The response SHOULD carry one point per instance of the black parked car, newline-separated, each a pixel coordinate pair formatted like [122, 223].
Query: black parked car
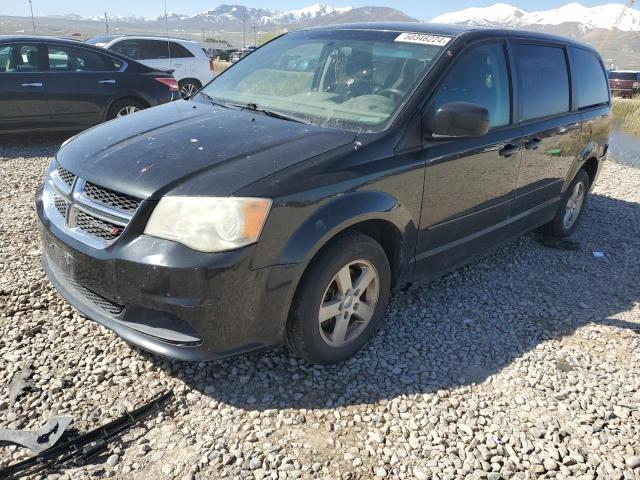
[52, 83]
[286, 200]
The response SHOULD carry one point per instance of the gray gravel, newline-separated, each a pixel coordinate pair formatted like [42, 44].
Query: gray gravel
[525, 364]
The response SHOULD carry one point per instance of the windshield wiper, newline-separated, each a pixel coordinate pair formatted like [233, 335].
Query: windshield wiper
[86, 446]
[212, 100]
[270, 113]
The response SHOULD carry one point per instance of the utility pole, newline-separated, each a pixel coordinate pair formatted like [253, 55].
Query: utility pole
[203, 34]
[244, 29]
[33, 22]
[106, 22]
[255, 35]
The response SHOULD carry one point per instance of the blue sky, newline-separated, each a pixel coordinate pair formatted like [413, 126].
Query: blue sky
[149, 8]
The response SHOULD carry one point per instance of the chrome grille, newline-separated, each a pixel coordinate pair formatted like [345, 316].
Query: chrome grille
[92, 214]
[65, 175]
[97, 227]
[61, 205]
[110, 198]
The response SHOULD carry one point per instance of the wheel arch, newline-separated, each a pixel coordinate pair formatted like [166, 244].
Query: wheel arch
[124, 97]
[376, 214]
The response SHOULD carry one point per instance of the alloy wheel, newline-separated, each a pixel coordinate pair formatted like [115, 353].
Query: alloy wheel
[349, 303]
[128, 110]
[188, 89]
[574, 205]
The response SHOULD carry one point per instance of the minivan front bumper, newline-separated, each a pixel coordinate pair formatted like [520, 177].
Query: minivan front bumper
[168, 299]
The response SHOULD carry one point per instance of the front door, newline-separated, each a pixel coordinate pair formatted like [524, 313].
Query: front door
[469, 182]
[23, 102]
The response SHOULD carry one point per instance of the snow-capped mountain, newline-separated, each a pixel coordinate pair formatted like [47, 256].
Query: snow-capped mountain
[311, 12]
[500, 14]
[588, 18]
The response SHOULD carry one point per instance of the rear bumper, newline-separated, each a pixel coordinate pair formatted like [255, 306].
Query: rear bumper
[168, 299]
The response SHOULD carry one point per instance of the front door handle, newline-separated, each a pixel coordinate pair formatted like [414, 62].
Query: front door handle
[110, 80]
[533, 144]
[32, 84]
[508, 150]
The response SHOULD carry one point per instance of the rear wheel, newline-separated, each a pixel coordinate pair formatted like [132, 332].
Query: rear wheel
[571, 208]
[341, 301]
[125, 107]
[188, 87]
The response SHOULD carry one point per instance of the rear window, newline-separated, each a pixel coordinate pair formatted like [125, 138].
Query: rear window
[623, 75]
[543, 81]
[591, 81]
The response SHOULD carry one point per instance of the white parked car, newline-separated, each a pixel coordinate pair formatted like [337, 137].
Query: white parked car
[191, 66]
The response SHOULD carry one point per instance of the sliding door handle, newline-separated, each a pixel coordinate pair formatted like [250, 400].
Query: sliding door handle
[32, 84]
[109, 80]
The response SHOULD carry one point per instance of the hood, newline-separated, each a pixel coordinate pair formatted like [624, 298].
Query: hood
[167, 149]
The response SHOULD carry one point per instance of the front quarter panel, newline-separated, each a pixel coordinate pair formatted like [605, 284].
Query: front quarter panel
[319, 198]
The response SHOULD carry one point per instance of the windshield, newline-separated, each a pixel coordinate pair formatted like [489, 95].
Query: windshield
[623, 75]
[349, 79]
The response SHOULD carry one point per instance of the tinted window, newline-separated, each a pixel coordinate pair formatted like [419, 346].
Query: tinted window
[543, 80]
[128, 48]
[142, 49]
[69, 59]
[154, 49]
[590, 78]
[178, 51]
[481, 77]
[19, 58]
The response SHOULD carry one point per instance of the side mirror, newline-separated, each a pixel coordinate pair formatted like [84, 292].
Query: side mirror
[457, 120]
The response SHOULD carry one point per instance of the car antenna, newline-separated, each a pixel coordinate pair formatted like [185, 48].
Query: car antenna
[166, 25]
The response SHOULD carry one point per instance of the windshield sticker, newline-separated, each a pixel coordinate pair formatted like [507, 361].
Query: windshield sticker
[423, 39]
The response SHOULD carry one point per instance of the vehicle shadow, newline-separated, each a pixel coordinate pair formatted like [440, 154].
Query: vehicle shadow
[458, 330]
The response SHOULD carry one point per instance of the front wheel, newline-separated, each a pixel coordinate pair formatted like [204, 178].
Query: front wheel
[571, 208]
[341, 301]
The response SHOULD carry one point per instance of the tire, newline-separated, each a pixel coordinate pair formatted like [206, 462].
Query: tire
[323, 342]
[130, 105]
[188, 87]
[564, 224]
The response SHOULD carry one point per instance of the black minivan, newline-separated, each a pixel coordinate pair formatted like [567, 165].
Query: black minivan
[284, 201]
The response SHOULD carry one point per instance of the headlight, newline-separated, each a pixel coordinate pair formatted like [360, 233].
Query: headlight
[209, 224]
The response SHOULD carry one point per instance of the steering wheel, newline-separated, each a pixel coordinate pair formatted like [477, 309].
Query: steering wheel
[389, 92]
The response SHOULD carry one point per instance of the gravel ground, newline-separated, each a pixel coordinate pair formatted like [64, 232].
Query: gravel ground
[525, 364]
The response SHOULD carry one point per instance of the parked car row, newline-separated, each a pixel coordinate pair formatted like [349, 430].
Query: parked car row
[190, 65]
[52, 83]
[228, 54]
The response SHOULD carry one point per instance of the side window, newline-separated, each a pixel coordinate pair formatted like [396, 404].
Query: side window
[5, 57]
[128, 48]
[69, 59]
[19, 58]
[178, 51]
[480, 77]
[154, 49]
[543, 81]
[591, 80]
